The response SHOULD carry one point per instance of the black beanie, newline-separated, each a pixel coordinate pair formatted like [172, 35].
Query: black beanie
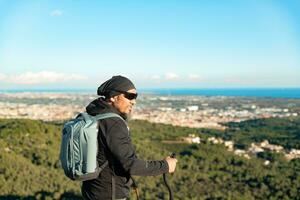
[115, 86]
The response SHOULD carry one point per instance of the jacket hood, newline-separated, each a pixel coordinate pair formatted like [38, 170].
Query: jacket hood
[100, 106]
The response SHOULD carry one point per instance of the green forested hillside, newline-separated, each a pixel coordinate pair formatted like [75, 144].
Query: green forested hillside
[280, 131]
[29, 167]
[29, 161]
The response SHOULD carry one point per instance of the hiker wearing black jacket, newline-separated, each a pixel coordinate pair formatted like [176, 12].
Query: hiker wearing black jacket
[118, 96]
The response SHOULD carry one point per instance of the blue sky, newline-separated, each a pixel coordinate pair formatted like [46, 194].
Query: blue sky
[157, 43]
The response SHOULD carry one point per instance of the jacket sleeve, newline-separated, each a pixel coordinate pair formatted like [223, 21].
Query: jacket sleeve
[119, 143]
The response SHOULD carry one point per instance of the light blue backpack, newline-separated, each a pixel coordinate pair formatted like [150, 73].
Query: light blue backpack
[79, 146]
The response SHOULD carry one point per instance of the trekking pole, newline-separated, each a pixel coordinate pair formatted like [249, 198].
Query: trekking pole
[135, 188]
[173, 155]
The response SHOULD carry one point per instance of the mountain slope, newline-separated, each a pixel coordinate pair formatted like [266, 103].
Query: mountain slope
[29, 167]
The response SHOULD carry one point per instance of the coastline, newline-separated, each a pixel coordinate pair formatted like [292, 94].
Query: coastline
[288, 93]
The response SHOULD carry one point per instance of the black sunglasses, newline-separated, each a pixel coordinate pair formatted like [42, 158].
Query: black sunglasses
[128, 95]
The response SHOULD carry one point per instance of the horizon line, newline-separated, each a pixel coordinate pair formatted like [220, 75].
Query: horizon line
[147, 88]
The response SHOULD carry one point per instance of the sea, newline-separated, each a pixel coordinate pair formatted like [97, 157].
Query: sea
[293, 93]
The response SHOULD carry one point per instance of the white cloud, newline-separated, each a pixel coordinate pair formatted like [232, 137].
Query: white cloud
[194, 77]
[2, 77]
[32, 78]
[171, 76]
[56, 13]
[155, 77]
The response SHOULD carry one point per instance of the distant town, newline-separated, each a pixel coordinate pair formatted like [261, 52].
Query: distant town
[252, 151]
[189, 111]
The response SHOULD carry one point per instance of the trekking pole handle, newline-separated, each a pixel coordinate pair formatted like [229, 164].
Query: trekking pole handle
[173, 155]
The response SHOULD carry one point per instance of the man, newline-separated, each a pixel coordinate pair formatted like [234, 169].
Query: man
[118, 96]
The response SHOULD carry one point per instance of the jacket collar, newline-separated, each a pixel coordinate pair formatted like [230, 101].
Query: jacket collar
[100, 106]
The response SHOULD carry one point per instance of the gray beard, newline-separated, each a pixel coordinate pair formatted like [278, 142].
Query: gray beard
[125, 116]
[128, 116]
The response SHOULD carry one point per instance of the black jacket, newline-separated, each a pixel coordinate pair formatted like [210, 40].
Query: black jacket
[116, 147]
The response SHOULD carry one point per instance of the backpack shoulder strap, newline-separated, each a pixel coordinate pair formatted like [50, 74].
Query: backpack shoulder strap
[107, 115]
